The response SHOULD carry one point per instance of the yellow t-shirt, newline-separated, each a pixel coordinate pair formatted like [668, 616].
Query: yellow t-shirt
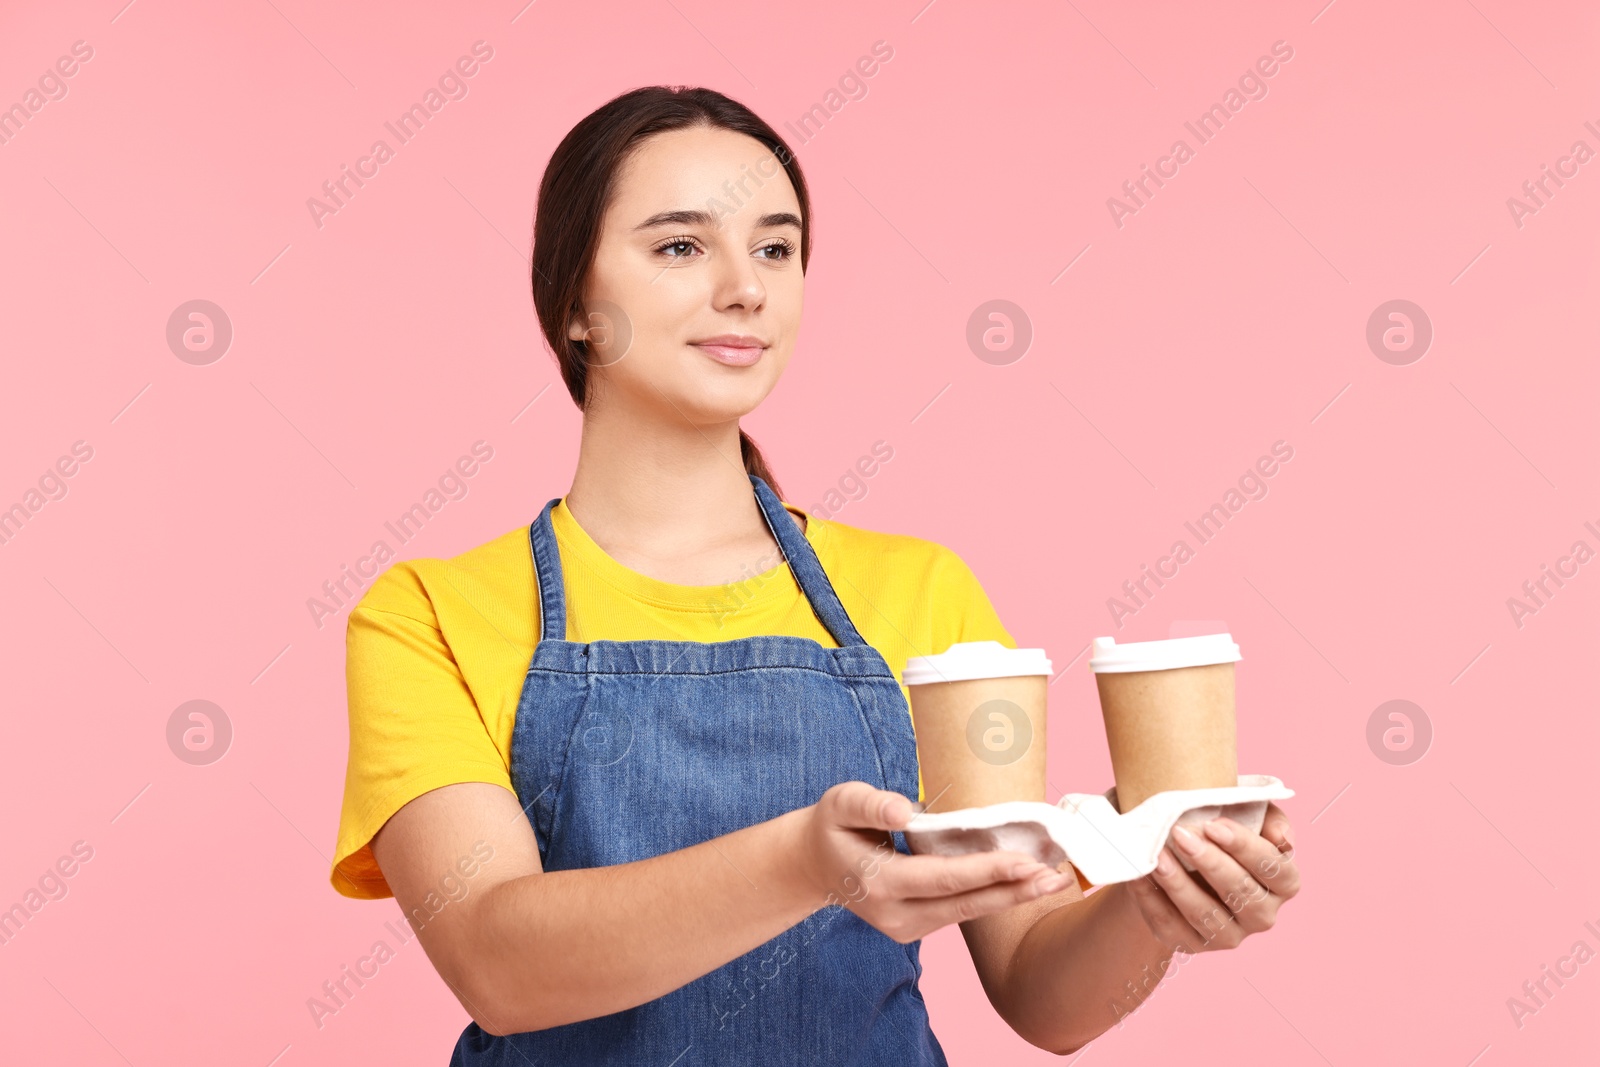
[436, 650]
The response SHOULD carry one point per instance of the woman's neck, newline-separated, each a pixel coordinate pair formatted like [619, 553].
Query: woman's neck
[667, 497]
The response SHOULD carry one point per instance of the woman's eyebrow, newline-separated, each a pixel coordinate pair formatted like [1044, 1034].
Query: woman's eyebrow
[697, 217]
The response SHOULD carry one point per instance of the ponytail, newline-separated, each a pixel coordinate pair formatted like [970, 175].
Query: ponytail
[755, 463]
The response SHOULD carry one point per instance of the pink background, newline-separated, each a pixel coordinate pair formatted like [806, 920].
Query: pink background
[1230, 312]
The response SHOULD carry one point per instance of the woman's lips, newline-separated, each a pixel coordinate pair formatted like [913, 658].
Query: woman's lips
[732, 355]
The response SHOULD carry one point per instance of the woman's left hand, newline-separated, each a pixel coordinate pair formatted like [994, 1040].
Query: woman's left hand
[1252, 874]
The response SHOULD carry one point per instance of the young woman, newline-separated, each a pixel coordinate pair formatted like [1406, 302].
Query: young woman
[639, 815]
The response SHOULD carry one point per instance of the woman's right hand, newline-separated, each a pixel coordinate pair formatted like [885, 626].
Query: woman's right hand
[848, 857]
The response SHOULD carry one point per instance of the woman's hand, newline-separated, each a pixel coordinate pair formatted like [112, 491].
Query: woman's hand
[848, 858]
[1252, 874]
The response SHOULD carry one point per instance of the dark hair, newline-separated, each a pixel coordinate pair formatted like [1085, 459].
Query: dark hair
[577, 187]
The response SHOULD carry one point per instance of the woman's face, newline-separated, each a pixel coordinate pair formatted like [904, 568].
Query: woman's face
[701, 242]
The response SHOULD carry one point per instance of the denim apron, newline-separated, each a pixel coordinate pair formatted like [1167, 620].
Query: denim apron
[624, 750]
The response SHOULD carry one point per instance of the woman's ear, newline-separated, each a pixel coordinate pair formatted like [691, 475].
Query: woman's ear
[578, 328]
[602, 327]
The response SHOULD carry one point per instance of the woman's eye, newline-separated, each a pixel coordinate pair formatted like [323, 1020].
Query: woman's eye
[684, 248]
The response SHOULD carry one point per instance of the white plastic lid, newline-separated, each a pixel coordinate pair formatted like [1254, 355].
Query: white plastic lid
[1112, 658]
[975, 659]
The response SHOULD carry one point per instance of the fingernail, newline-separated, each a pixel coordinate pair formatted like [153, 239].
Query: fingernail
[1164, 862]
[1186, 841]
[1022, 870]
[1219, 832]
[1052, 883]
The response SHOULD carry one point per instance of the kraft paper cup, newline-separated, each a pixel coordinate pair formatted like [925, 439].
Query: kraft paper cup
[978, 709]
[1168, 708]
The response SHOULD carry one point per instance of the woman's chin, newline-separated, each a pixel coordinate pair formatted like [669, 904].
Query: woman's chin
[704, 410]
[718, 396]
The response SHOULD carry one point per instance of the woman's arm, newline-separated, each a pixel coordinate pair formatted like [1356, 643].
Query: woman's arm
[1065, 971]
[524, 949]
[1077, 970]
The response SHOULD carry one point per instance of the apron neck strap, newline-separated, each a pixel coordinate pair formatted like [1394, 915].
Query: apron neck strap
[807, 569]
[547, 572]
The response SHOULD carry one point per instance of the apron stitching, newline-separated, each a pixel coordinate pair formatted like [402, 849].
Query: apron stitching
[877, 752]
[667, 673]
[566, 761]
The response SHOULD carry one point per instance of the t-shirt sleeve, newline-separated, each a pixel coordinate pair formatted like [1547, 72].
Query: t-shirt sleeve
[962, 610]
[414, 725]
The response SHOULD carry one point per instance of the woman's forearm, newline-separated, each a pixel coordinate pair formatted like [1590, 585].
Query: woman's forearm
[1081, 968]
[562, 946]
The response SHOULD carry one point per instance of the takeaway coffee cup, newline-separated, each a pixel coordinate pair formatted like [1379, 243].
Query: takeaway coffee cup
[979, 713]
[1169, 714]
